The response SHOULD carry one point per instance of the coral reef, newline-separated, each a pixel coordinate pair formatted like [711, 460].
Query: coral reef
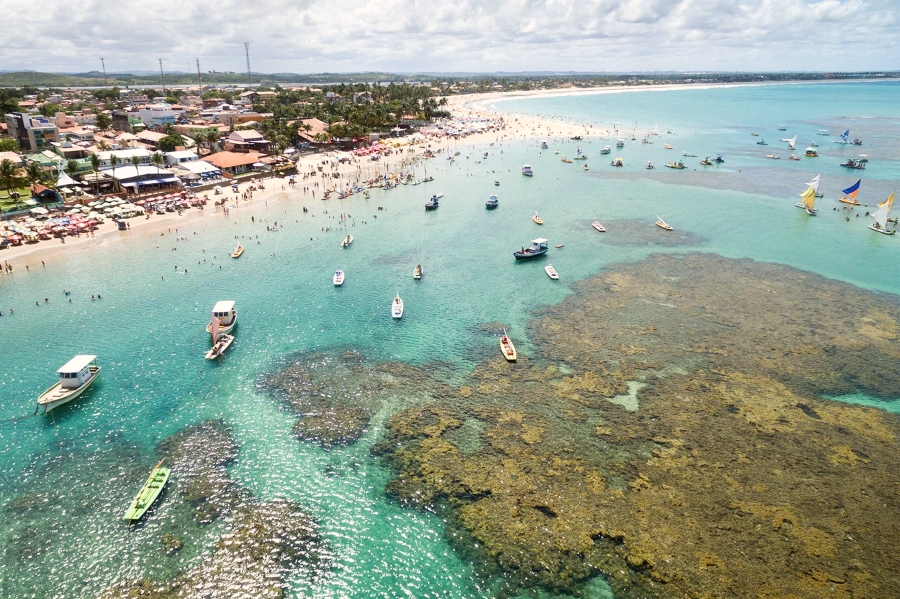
[734, 477]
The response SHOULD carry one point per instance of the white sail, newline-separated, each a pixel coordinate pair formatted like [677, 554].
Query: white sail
[884, 210]
[792, 141]
[814, 183]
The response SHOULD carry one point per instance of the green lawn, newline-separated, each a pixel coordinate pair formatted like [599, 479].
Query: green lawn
[7, 204]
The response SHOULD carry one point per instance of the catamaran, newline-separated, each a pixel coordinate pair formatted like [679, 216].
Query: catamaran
[225, 314]
[882, 217]
[74, 379]
[148, 493]
[850, 197]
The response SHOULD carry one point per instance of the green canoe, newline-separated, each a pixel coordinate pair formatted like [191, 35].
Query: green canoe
[148, 494]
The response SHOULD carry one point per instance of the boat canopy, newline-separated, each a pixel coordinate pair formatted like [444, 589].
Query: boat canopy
[223, 306]
[76, 364]
[538, 241]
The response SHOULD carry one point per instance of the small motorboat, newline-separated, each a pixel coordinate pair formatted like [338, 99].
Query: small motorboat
[676, 165]
[649, 166]
[706, 162]
[551, 272]
[497, 183]
[397, 307]
[606, 150]
[237, 251]
[75, 377]
[432, 204]
[347, 241]
[793, 157]
[852, 163]
[537, 219]
[585, 167]
[762, 142]
[564, 159]
[773, 156]
[526, 170]
[507, 348]
[688, 155]
[663, 224]
[537, 248]
[598, 227]
[667, 146]
[617, 162]
[418, 271]
[492, 202]
[338, 278]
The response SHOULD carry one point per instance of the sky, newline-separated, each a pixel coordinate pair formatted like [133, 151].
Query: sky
[410, 36]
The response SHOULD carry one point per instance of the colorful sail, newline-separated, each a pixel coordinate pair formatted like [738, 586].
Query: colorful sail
[808, 197]
[845, 135]
[852, 190]
[884, 209]
[214, 327]
[814, 183]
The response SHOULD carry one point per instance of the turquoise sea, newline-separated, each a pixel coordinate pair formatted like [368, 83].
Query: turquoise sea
[148, 327]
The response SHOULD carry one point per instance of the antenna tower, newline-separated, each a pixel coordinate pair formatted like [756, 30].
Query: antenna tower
[199, 80]
[103, 62]
[162, 77]
[247, 52]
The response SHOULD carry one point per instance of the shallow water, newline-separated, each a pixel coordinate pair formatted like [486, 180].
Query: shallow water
[77, 468]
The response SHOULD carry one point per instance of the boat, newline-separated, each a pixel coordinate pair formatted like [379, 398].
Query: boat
[754, 134]
[617, 162]
[762, 142]
[544, 145]
[811, 152]
[537, 219]
[823, 132]
[507, 348]
[706, 162]
[237, 251]
[581, 156]
[559, 245]
[432, 204]
[676, 165]
[773, 156]
[585, 167]
[75, 376]
[793, 157]
[791, 142]
[688, 155]
[226, 316]
[606, 150]
[882, 217]
[148, 493]
[397, 307]
[497, 183]
[620, 143]
[663, 224]
[418, 271]
[808, 201]
[853, 163]
[598, 227]
[667, 146]
[782, 128]
[719, 159]
[492, 202]
[347, 241]
[526, 170]
[220, 342]
[850, 194]
[814, 144]
[814, 183]
[576, 137]
[338, 278]
[564, 159]
[551, 272]
[649, 165]
[537, 248]
[856, 142]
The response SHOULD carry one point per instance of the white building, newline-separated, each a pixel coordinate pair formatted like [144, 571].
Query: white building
[124, 157]
[180, 157]
[157, 115]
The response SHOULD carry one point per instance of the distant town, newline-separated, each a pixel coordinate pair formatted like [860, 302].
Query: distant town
[68, 136]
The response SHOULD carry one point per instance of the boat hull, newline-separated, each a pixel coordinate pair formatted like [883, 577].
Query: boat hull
[56, 396]
[219, 348]
[551, 272]
[490, 206]
[882, 231]
[148, 494]
[598, 227]
[529, 255]
[508, 349]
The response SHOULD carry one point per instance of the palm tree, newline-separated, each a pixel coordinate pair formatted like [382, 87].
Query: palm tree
[135, 161]
[95, 166]
[113, 161]
[34, 172]
[158, 160]
[71, 166]
[8, 170]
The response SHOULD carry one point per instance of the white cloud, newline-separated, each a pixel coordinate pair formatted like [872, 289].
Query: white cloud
[465, 35]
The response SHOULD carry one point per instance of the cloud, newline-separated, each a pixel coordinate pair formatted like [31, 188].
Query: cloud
[465, 35]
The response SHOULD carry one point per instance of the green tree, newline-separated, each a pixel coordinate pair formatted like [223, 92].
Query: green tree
[157, 159]
[113, 161]
[8, 170]
[71, 166]
[9, 145]
[50, 109]
[170, 142]
[135, 162]
[34, 172]
[95, 166]
[103, 121]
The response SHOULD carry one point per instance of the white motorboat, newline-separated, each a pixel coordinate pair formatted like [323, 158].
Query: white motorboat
[74, 379]
[338, 279]
[347, 241]
[397, 307]
[551, 272]
[526, 170]
[600, 228]
[225, 313]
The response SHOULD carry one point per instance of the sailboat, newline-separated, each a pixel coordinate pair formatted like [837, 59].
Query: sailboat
[808, 201]
[220, 343]
[844, 138]
[663, 224]
[791, 142]
[882, 216]
[851, 192]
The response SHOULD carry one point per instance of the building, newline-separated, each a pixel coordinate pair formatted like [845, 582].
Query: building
[123, 120]
[247, 141]
[143, 178]
[124, 157]
[33, 133]
[234, 163]
[157, 115]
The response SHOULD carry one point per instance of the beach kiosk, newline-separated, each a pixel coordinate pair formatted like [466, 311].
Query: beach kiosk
[74, 379]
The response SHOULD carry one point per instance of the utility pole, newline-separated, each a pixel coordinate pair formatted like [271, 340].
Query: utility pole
[247, 52]
[103, 62]
[162, 77]
[199, 81]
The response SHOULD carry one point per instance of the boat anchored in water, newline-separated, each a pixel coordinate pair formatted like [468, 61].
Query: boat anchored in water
[853, 163]
[526, 170]
[537, 219]
[808, 201]
[537, 248]
[676, 165]
[598, 227]
[606, 150]
[338, 278]
[492, 202]
[220, 341]
[617, 162]
[148, 493]
[551, 272]
[811, 152]
[75, 377]
[226, 315]
[663, 224]
[882, 217]
[237, 251]
[397, 307]
[507, 348]
[432, 204]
